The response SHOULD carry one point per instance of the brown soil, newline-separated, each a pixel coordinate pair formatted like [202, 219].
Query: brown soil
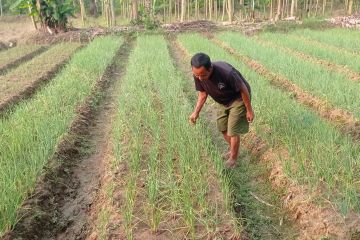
[73, 35]
[61, 204]
[76, 35]
[201, 25]
[342, 119]
[14, 29]
[21, 60]
[329, 65]
[7, 101]
[314, 221]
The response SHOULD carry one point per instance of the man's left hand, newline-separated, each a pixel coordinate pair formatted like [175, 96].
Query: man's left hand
[250, 116]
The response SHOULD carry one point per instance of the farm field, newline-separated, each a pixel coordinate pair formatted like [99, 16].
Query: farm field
[342, 38]
[136, 168]
[41, 121]
[23, 80]
[16, 55]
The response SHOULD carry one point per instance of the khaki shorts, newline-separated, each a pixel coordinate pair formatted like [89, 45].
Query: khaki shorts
[232, 118]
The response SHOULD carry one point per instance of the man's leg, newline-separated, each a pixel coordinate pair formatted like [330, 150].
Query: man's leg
[227, 138]
[237, 124]
[234, 147]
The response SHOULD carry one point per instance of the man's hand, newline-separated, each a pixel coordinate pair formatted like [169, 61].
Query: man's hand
[193, 117]
[250, 116]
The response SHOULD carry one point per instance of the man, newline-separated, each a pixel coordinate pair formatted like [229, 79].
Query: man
[230, 90]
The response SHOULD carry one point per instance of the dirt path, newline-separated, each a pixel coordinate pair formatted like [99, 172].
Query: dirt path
[14, 29]
[61, 205]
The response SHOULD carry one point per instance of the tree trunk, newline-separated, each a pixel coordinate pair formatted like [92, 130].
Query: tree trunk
[331, 6]
[183, 10]
[206, 8]
[230, 10]
[278, 12]
[134, 10]
[350, 7]
[216, 10]
[283, 9]
[32, 17]
[323, 7]
[196, 10]
[82, 12]
[292, 8]
[316, 7]
[210, 9]
[170, 10]
[253, 9]
[271, 10]
[175, 6]
[93, 8]
[188, 9]
[223, 10]
[1, 8]
[346, 5]
[112, 12]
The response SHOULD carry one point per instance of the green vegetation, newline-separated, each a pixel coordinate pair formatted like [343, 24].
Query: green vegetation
[51, 13]
[14, 54]
[314, 146]
[333, 87]
[173, 160]
[36, 69]
[339, 37]
[29, 135]
[321, 53]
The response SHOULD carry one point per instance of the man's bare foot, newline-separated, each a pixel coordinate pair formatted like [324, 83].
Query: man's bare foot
[230, 163]
[226, 155]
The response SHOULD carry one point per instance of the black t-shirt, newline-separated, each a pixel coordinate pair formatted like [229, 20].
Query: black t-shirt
[224, 83]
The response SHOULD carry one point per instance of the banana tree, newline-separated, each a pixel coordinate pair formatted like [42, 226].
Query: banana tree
[52, 14]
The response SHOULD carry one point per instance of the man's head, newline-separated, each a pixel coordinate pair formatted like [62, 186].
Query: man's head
[201, 66]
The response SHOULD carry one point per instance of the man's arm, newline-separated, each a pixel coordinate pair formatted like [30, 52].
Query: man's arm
[202, 96]
[247, 102]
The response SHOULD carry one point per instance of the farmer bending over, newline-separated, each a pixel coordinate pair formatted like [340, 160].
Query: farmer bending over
[230, 90]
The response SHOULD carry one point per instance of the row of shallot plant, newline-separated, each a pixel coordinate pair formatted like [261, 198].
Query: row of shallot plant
[343, 58]
[348, 39]
[39, 68]
[320, 156]
[30, 133]
[319, 81]
[169, 161]
[16, 54]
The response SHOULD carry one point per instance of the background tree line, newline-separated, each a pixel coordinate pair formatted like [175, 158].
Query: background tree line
[54, 13]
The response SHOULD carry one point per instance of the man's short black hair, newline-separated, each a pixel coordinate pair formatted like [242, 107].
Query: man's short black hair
[201, 60]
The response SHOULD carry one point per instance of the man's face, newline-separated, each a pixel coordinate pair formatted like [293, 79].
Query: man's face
[202, 73]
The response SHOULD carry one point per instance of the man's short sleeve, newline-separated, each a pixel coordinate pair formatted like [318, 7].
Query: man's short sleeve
[198, 85]
[235, 80]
